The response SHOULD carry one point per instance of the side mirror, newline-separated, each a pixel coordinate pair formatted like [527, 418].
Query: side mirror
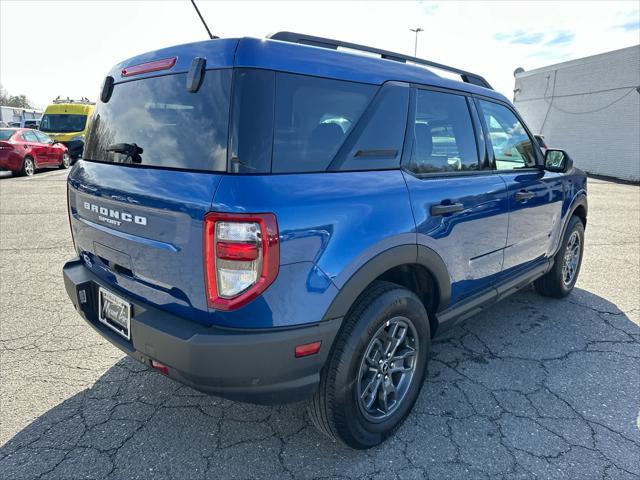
[557, 161]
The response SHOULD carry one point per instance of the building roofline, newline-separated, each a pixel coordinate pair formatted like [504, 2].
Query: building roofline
[575, 61]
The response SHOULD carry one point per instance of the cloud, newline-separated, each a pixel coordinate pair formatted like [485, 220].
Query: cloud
[561, 38]
[520, 37]
[429, 8]
[629, 26]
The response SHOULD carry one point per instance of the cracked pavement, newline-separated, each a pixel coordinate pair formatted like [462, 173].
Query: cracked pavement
[530, 388]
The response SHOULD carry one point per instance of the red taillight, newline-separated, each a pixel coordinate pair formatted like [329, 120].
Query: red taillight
[237, 251]
[6, 146]
[307, 349]
[241, 255]
[156, 65]
[160, 367]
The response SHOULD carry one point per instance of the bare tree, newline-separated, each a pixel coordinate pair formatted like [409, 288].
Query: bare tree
[19, 101]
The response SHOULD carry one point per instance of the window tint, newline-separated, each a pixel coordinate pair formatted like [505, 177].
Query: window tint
[512, 147]
[313, 116]
[444, 139]
[174, 128]
[377, 144]
[252, 130]
[6, 134]
[30, 137]
[42, 138]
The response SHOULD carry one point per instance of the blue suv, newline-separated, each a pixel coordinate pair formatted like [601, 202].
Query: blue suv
[277, 220]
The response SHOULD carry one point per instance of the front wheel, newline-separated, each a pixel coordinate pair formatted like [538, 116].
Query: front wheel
[66, 160]
[562, 277]
[376, 368]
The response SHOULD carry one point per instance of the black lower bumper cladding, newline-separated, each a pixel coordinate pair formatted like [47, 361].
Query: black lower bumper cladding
[256, 366]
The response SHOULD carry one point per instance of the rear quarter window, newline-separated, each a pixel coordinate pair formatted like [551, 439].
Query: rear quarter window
[6, 134]
[174, 128]
[312, 118]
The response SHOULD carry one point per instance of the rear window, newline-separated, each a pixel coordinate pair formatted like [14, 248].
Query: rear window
[171, 126]
[6, 134]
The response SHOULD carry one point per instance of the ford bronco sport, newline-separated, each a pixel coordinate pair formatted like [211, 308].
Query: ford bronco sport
[277, 220]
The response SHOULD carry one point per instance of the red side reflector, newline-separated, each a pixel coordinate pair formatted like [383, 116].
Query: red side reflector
[307, 349]
[156, 65]
[161, 367]
[236, 251]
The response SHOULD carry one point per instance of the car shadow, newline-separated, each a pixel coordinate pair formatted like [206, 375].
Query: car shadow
[529, 387]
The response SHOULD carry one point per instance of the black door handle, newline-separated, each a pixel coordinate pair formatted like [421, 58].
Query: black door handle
[523, 196]
[443, 209]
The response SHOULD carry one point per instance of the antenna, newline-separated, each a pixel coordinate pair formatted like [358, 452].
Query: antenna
[211, 35]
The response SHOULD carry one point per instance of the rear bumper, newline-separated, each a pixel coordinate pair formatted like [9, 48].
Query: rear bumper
[10, 161]
[256, 366]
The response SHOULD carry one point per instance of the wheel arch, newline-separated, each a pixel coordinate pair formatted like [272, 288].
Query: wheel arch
[579, 207]
[415, 267]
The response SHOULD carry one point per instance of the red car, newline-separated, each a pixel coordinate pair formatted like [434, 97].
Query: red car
[23, 150]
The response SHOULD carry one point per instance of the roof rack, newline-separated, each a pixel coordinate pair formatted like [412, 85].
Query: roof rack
[83, 100]
[301, 38]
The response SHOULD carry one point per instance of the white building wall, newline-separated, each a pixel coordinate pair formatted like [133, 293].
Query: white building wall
[15, 114]
[589, 107]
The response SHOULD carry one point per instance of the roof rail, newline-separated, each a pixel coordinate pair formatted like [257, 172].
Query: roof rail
[301, 38]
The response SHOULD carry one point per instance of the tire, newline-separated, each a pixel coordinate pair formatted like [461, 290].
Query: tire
[28, 167]
[560, 280]
[66, 161]
[336, 408]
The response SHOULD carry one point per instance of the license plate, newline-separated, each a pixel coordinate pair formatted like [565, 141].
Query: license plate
[114, 312]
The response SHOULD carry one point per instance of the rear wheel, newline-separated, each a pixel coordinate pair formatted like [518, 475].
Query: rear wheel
[376, 369]
[562, 277]
[28, 167]
[66, 160]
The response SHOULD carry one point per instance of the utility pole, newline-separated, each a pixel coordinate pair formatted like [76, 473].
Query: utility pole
[417, 30]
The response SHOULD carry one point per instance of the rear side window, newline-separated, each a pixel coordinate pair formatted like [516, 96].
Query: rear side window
[376, 143]
[444, 139]
[157, 122]
[313, 117]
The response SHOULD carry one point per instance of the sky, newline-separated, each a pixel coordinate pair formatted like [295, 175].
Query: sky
[51, 48]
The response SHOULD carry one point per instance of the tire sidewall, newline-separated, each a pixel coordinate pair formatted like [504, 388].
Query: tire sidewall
[575, 224]
[396, 302]
[24, 167]
[62, 162]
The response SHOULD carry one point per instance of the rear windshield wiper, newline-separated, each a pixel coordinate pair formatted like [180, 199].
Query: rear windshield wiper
[131, 150]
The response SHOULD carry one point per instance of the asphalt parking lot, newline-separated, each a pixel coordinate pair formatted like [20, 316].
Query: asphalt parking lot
[532, 388]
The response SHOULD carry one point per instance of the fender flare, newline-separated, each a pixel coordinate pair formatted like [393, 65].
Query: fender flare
[386, 260]
[580, 200]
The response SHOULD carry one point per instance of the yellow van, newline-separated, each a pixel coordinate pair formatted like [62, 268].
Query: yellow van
[67, 121]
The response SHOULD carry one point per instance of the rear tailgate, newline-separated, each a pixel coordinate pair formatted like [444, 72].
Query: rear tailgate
[154, 154]
[140, 230]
